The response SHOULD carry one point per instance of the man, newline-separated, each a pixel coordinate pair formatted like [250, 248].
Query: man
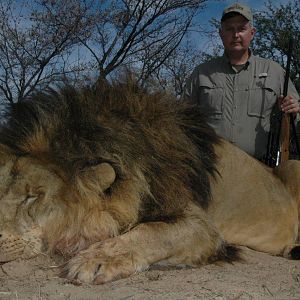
[241, 88]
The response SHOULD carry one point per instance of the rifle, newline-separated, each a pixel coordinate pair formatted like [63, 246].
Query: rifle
[279, 137]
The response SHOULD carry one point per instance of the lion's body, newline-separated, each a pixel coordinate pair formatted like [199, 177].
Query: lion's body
[251, 206]
[117, 179]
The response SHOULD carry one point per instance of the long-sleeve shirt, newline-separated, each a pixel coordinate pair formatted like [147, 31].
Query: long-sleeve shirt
[242, 100]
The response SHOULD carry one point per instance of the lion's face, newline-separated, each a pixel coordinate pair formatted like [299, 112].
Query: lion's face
[30, 198]
[41, 206]
[29, 193]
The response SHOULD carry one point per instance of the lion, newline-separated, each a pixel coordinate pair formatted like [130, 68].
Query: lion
[114, 179]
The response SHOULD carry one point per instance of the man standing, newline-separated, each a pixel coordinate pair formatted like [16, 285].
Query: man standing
[241, 88]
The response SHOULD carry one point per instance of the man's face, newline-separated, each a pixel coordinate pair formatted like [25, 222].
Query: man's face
[236, 34]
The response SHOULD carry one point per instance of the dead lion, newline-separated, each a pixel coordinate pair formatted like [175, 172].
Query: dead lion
[115, 179]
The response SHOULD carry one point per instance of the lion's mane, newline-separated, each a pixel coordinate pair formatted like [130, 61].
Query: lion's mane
[152, 138]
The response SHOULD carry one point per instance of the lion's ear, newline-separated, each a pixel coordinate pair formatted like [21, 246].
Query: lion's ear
[95, 176]
[105, 174]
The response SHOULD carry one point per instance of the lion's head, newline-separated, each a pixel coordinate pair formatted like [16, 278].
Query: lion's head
[82, 166]
[42, 208]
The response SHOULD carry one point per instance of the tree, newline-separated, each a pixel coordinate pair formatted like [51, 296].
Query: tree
[35, 45]
[177, 67]
[275, 26]
[38, 40]
[138, 34]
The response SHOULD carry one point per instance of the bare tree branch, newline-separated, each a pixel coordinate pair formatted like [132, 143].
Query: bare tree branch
[35, 37]
[124, 29]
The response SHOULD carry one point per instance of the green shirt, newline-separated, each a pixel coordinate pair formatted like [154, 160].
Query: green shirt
[242, 101]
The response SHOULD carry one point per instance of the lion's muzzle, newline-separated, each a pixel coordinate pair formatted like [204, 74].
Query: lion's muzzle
[14, 246]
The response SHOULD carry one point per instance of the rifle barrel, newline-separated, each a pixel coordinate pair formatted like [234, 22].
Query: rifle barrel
[287, 69]
[280, 143]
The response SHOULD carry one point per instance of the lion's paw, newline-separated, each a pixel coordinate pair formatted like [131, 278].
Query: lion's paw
[98, 267]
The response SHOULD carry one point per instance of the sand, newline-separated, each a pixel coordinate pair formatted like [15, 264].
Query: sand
[259, 276]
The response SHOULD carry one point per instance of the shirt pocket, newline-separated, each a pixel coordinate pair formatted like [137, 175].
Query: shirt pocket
[261, 99]
[213, 96]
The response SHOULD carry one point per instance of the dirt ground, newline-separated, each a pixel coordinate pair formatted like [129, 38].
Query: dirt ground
[260, 276]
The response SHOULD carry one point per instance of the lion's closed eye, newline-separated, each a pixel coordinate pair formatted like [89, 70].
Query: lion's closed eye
[30, 199]
[32, 194]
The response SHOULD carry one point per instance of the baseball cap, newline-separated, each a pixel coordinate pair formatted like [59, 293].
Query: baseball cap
[237, 8]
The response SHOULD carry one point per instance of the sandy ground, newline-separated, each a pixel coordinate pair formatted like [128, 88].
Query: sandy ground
[260, 276]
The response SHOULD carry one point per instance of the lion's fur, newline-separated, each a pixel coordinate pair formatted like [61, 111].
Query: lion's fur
[251, 206]
[145, 136]
[161, 150]
[120, 178]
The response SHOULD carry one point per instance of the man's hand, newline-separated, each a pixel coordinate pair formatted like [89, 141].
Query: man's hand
[289, 105]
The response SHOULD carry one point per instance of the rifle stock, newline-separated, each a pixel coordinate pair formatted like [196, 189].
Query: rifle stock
[284, 144]
[285, 138]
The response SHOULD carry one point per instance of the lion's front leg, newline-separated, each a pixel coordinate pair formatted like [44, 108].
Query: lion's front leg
[190, 241]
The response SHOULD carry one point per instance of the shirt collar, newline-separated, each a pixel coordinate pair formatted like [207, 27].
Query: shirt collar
[249, 61]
